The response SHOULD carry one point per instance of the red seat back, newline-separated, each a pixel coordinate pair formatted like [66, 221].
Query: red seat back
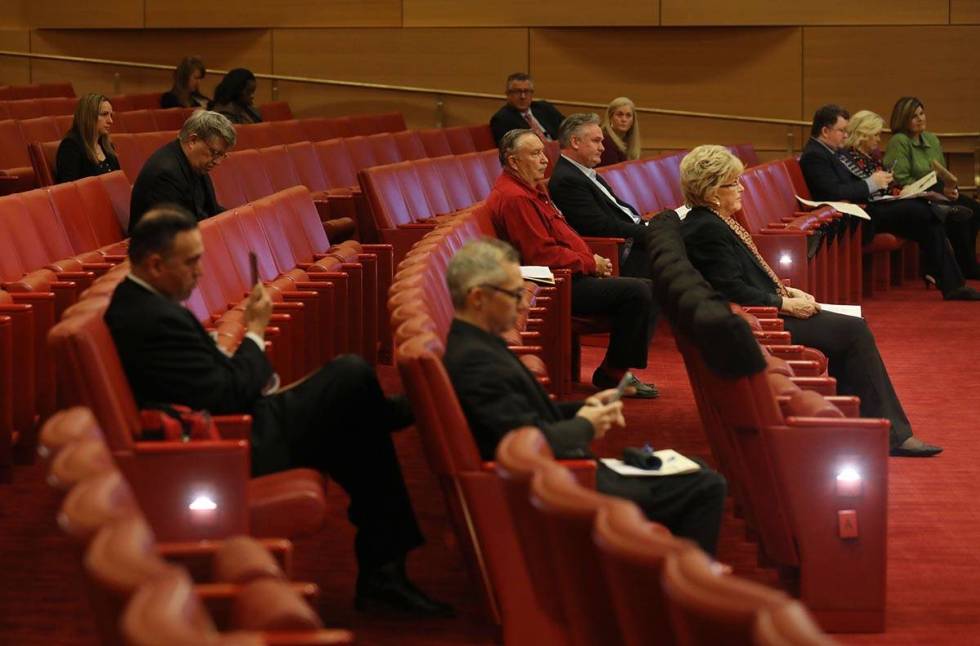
[276, 111]
[307, 164]
[336, 162]
[434, 141]
[460, 140]
[171, 118]
[288, 131]
[136, 121]
[279, 167]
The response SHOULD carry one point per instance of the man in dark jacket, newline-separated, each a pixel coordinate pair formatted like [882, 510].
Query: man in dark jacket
[337, 420]
[522, 112]
[588, 202]
[177, 173]
[498, 394]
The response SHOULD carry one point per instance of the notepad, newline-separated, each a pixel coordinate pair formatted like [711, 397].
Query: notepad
[920, 185]
[843, 207]
[538, 274]
[672, 464]
[847, 310]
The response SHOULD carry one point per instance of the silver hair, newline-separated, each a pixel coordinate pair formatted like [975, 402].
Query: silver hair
[509, 142]
[571, 125]
[478, 262]
[206, 124]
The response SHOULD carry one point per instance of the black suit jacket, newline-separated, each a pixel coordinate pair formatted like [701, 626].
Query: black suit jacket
[827, 178]
[170, 358]
[498, 394]
[591, 213]
[725, 261]
[508, 118]
[167, 178]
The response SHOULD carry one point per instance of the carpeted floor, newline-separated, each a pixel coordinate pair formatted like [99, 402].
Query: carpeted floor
[932, 353]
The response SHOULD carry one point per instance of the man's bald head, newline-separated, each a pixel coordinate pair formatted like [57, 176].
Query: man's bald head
[165, 250]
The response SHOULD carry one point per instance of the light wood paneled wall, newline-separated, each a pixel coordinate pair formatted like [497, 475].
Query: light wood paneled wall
[274, 13]
[764, 58]
[15, 71]
[519, 13]
[937, 64]
[805, 12]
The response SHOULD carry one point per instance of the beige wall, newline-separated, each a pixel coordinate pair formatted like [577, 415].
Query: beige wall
[764, 58]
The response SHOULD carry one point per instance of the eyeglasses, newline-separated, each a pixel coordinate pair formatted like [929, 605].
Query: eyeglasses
[520, 92]
[736, 184]
[216, 155]
[516, 294]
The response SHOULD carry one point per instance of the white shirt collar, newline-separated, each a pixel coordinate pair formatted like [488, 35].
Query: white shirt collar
[142, 283]
[589, 172]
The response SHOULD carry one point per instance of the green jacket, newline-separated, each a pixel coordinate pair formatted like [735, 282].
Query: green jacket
[912, 159]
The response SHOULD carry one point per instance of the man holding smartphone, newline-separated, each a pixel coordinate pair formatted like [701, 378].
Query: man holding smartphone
[498, 394]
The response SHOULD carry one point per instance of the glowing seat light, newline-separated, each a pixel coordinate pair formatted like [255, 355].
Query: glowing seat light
[785, 259]
[848, 482]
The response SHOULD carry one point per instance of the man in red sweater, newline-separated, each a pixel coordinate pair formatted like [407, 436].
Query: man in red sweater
[524, 215]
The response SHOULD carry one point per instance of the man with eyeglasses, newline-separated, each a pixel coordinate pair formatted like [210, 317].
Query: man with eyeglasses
[498, 394]
[177, 173]
[521, 111]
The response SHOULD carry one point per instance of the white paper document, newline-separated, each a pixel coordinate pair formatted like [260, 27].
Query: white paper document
[538, 274]
[849, 310]
[920, 185]
[673, 464]
[843, 207]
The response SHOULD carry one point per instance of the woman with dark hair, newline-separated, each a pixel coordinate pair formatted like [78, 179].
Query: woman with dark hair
[186, 91]
[914, 153]
[235, 97]
[87, 150]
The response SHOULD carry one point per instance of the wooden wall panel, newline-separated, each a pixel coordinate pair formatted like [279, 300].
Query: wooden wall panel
[964, 12]
[804, 12]
[748, 72]
[14, 71]
[476, 60]
[71, 13]
[274, 13]
[942, 72]
[14, 14]
[251, 48]
[519, 13]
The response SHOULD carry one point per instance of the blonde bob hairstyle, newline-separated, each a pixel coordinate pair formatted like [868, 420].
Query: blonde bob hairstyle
[630, 145]
[704, 170]
[863, 125]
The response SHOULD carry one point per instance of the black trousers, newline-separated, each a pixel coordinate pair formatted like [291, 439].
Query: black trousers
[339, 421]
[914, 220]
[962, 234]
[689, 505]
[854, 361]
[629, 304]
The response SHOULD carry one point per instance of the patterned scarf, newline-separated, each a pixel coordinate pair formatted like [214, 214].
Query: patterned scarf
[746, 239]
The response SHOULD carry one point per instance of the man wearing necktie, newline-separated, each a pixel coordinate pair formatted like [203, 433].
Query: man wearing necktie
[588, 202]
[522, 112]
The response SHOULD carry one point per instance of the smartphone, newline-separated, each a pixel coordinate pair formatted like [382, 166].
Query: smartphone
[253, 266]
[621, 387]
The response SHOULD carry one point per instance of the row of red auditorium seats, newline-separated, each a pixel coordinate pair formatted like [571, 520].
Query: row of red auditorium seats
[31, 108]
[404, 199]
[35, 91]
[28, 147]
[53, 243]
[632, 583]
[145, 592]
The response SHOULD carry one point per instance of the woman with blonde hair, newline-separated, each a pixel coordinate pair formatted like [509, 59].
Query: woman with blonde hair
[87, 149]
[928, 220]
[621, 130]
[727, 257]
[186, 90]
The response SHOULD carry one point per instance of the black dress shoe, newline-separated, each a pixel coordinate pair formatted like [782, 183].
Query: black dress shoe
[963, 293]
[388, 589]
[915, 448]
[602, 381]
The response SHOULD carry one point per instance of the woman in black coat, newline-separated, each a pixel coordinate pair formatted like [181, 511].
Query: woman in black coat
[727, 257]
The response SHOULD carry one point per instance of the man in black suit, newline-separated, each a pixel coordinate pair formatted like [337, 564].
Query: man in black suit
[829, 179]
[177, 173]
[522, 112]
[498, 394]
[337, 420]
[588, 202]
